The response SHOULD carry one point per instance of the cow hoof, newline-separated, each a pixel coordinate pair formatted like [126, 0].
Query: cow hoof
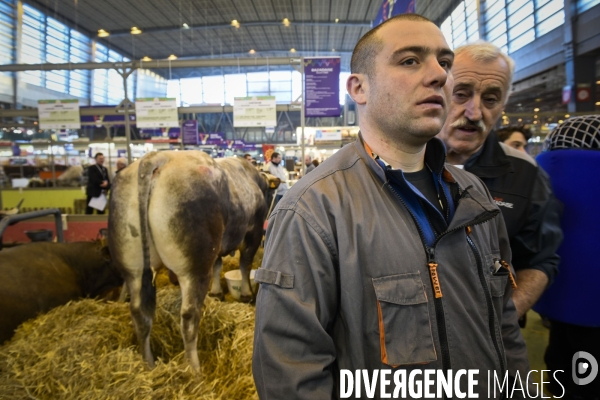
[219, 296]
[246, 299]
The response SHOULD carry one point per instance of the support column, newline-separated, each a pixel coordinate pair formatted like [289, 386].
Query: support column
[580, 70]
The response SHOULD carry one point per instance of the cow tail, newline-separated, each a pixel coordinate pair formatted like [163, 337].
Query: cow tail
[148, 165]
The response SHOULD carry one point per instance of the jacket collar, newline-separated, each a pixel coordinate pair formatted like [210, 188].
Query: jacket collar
[435, 156]
[490, 161]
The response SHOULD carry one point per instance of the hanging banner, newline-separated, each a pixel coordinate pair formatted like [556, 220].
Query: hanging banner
[254, 111]
[156, 112]
[211, 139]
[322, 87]
[389, 8]
[268, 149]
[190, 133]
[59, 114]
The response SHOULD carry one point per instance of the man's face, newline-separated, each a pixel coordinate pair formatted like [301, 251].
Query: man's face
[249, 158]
[307, 160]
[100, 160]
[277, 159]
[517, 141]
[407, 95]
[480, 91]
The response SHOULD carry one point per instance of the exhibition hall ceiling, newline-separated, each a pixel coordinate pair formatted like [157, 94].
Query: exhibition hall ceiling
[206, 28]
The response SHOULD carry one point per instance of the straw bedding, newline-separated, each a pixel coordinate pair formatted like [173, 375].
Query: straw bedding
[86, 350]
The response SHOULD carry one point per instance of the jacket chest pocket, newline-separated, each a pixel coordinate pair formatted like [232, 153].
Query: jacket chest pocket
[404, 328]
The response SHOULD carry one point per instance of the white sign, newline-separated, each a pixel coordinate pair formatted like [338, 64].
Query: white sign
[328, 135]
[59, 114]
[156, 112]
[254, 111]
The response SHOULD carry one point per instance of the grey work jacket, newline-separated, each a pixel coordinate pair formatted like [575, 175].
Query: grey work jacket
[345, 284]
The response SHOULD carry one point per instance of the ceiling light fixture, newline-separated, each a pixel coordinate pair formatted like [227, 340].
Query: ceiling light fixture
[172, 57]
[103, 33]
[292, 50]
[235, 23]
[332, 49]
[186, 26]
[337, 20]
[135, 30]
[252, 51]
[567, 115]
[286, 22]
[598, 103]
[146, 59]
[536, 109]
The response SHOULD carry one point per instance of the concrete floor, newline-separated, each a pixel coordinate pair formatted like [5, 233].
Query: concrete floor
[536, 337]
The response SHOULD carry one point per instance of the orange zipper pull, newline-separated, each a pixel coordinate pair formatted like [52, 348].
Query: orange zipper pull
[435, 280]
[513, 281]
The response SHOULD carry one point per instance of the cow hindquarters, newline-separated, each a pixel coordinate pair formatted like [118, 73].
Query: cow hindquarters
[142, 306]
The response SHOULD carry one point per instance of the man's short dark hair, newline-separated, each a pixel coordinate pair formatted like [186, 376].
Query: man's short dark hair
[98, 155]
[370, 45]
[275, 155]
[506, 132]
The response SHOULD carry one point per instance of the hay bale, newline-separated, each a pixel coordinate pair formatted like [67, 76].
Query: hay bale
[84, 350]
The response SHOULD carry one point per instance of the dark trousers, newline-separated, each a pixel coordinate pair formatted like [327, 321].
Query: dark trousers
[565, 341]
[90, 210]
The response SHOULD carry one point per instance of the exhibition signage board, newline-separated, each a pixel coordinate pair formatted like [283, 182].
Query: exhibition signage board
[254, 111]
[59, 114]
[211, 139]
[389, 9]
[322, 87]
[327, 135]
[156, 112]
[190, 133]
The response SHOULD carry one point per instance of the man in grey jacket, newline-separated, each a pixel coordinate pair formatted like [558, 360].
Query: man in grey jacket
[384, 262]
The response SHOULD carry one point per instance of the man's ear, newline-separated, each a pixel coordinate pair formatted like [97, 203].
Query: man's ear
[357, 87]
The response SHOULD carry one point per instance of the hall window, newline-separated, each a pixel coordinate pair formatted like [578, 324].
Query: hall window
[7, 33]
[462, 26]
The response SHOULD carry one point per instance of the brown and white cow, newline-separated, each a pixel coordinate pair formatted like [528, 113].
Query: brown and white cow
[37, 277]
[186, 210]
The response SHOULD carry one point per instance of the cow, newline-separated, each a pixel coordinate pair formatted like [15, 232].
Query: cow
[37, 277]
[185, 210]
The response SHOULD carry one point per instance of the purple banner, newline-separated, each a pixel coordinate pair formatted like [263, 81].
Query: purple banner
[389, 8]
[190, 133]
[322, 87]
[211, 139]
[236, 144]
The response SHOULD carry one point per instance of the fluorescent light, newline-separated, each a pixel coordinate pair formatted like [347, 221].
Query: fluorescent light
[103, 33]
[172, 57]
[135, 30]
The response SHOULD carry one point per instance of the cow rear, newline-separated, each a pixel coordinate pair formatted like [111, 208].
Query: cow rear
[182, 210]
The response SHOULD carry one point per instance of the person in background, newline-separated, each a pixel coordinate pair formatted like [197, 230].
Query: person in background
[572, 302]
[515, 136]
[277, 169]
[248, 157]
[482, 82]
[308, 163]
[121, 163]
[98, 182]
[350, 278]
[315, 162]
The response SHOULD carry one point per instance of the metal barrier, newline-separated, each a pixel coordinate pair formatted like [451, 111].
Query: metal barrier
[13, 219]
